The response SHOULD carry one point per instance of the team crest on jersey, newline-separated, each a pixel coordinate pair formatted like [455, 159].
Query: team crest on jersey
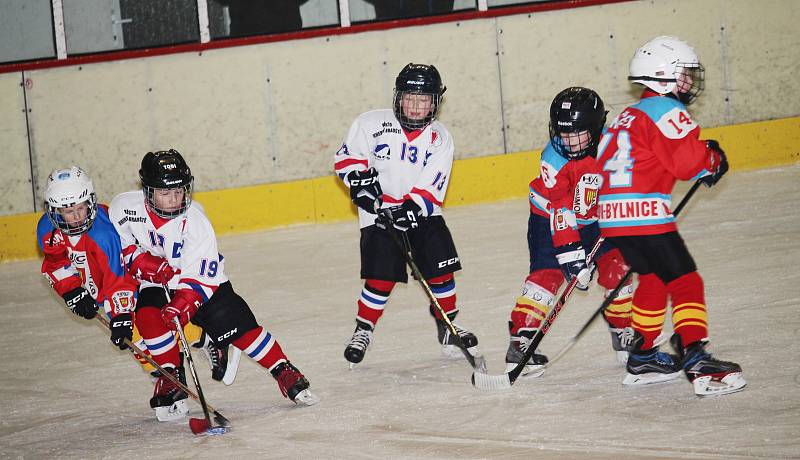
[122, 301]
[589, 197]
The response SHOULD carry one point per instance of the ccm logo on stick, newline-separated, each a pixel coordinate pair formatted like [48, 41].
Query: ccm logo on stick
[447, 262]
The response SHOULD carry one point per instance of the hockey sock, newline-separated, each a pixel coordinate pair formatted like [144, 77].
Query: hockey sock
[139, 342]
[538, 297]
[160, 341]
[373, 299]
[689, 316]
[649, 308]
[618, 312]
[444, 289]
[262, 347]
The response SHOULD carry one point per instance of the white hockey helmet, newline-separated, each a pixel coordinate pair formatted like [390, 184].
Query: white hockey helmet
[663, 62]
[67, 188]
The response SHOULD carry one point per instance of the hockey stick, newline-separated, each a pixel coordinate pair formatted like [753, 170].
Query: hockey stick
[197, 425]
[505, 381]
[477, 362]
[219, 418]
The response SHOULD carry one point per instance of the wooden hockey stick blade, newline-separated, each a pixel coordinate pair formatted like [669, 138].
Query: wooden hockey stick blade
[233, 366]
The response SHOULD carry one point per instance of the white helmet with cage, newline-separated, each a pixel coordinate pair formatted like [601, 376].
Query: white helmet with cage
[67, 188]
[666, 65]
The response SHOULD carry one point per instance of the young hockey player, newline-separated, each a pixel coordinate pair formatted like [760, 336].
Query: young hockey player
[168, 238]
[562, 227]
[649, 146]
[83, 261]
[397, 164]
[82, 253]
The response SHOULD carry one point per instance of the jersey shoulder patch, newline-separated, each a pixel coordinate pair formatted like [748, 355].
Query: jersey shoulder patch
[669, 115]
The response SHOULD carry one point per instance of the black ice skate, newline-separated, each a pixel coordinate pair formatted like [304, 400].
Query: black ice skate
[217, 356]
[621, 341]
[358, 344]
[649, 366]
[293, 384]
[449, 343]
[169, 400]
[517, 346]
[709, 376]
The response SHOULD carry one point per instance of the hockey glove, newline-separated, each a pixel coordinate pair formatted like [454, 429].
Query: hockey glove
[152, 268]
[403, 217]
[718, 163]
[572, 259]
[184, 305]
[121, 329]
[365, 190]
[81, 303]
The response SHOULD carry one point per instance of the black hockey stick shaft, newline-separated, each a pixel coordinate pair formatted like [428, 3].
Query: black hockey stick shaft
[514, 373]
[610, 297]
[405, 247]
[190, 361]
[135, 350]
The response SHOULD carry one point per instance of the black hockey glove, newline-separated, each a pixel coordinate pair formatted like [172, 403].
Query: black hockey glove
[121, 329]
[402, 217]
[718, 161]
[365, 190]
[81, 303]
[572, 259]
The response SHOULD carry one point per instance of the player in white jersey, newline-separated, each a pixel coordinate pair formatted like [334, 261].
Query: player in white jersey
[168, 238]
[397, 165]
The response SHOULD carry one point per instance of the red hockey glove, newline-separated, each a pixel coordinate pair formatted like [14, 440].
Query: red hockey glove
[152, 268]
[183, 306]
[717, 163]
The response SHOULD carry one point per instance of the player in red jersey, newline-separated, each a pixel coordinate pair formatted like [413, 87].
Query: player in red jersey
[562, 223]
[645, 150]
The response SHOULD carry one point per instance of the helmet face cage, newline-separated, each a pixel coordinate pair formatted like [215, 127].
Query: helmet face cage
[690, 81]
[418, 79]
[150, 198]
[67, 188]
[162, 171]
[577, 114]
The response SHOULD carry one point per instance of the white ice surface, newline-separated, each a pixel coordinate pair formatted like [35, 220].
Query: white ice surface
[66, 393]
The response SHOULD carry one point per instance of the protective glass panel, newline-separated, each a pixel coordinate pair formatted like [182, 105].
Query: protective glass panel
[26, 30]
[385, 10]
[246, 18]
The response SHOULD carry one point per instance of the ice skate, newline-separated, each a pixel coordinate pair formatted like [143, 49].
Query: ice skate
[517, 346]
[358, 344]
[169, 400]
[621, 341]
[217, 356]
[449, 343]
[649, 366]
[293, 384]
[709, 376]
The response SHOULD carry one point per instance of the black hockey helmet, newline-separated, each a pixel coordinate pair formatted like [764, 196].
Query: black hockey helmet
[418, 79]
[574, 111]
[166, 170]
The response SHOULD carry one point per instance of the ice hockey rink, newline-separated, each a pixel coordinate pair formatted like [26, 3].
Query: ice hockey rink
[67, 393]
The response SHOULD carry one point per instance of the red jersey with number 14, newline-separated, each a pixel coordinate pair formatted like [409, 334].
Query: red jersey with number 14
[645, 150]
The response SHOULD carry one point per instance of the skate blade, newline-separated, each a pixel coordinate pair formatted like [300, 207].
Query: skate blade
[306, 398]
[706, 386]
[528, 372]
[177, 411]
[486, 382]
[649, 378]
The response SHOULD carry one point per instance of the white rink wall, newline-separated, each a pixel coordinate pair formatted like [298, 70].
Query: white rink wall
[276, 112]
